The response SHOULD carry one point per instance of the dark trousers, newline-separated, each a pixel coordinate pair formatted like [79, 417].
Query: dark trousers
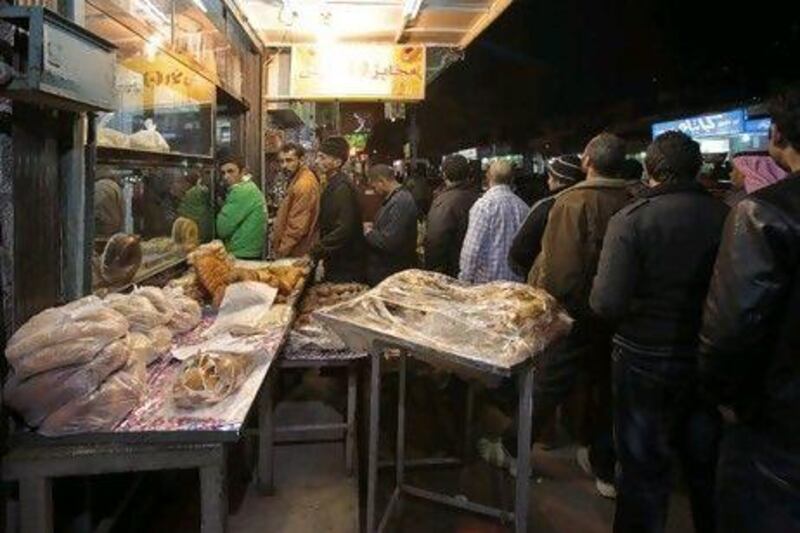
[758, 484]
[583, 357]
[657, 415]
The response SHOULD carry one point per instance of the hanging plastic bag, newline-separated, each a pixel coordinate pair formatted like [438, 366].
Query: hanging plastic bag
[149, 139]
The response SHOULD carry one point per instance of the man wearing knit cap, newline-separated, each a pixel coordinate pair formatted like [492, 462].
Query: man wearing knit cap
[341, 240]
[562, 172]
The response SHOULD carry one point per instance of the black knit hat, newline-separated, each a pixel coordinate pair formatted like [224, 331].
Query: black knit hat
[336, 147]
[567, 168]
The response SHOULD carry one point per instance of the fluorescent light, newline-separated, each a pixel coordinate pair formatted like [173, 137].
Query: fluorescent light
[201, 5]
[411, 8]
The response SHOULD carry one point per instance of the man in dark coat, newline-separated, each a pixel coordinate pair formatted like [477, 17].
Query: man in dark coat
[651, 282]
[392, 241]
[341, 239]
[562, 172]
[750, 345]
[448, 218]
[565, 268]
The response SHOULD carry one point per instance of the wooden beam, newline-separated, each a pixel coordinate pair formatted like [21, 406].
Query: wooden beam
[495, 10]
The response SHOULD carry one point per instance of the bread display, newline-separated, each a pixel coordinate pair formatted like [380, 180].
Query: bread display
[208, 378]
[500, 323]
[121, 259]
[186, 234]
[287, 279]
[213, 267]
[64, 336]
[38, 396]
[325, 295]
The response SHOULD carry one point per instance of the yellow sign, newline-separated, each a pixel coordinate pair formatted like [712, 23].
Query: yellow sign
[160, 82]
[358, 72]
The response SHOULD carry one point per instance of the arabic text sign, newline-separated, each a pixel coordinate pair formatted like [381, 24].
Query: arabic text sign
[720, 124]
[365, 72]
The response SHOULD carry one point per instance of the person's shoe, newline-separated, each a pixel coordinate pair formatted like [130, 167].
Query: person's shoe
[606, 489]
[582, 456]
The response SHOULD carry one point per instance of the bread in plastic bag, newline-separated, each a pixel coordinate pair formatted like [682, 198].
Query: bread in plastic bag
[208, 378]
[500, 323]
[245, 309]
[38, 396]
[113, 138]
[103, 409]
[149, 139]
[159, 300]
[141, 347]
[139, 310]
[64, 336]
[188, 312]
[161, 338]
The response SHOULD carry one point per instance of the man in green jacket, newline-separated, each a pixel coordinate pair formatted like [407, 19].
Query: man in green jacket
[242, 221]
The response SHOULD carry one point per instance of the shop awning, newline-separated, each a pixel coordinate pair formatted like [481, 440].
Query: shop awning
[436, 23]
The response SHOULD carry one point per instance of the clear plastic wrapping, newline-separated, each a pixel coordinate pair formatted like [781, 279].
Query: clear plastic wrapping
[142, 348]
[104, 408]
[208, 378]
[161, 339]
[499, 323]
[310, 333]
[64, 336]
[245, 309]
[38, 396]
[188, 312]
[140, 312]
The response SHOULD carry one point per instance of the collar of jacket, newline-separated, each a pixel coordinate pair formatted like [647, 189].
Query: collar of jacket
[673, 187]
[598, 183]
[457, 185]
[335, 179]
[391, 195]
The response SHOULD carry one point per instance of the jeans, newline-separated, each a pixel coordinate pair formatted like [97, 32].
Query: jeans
[758, 484]
[583, 355]
[657, 414]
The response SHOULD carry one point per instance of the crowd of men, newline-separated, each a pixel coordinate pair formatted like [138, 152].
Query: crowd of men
[686, 305]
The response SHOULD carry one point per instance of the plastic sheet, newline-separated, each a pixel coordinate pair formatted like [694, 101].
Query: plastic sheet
[159, 299]
[38, 396]
[245, 309]
[104, 408]
[188, 312]
[499, 323]
[208, 378]
[310, 333]
[142, 348]
[64, 336]
[161, 339]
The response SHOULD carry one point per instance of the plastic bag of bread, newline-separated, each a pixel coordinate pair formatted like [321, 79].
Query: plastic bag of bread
[188, 312]
[64, 336]
[245, 310]
[38, 396]
[104, 408]
[208, 378]
[159, 300]
[161, 339]
[142, 348]
[140, 312]
[149, 139]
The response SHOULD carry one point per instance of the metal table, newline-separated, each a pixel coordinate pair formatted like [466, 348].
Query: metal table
[359, 337]
[269, 435]
[152, 437]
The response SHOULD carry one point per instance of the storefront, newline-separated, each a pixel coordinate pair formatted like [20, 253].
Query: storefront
[729, 132]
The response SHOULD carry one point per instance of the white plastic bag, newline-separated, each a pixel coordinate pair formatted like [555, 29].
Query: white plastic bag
[149, 139]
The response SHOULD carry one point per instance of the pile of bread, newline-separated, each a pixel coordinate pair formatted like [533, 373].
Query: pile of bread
[213, 269]
[81, 367]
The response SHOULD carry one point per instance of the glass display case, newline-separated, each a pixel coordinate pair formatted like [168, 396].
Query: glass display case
[147, 218]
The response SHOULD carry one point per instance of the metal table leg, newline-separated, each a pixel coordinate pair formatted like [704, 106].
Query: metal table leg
[266, 436]
[352, 395]
[36, 501]
[213, 496]
[467, 450]
[401, 421]
[374, 419]
[524, 448]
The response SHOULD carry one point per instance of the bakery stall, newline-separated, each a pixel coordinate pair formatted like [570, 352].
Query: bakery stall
[152, 379]
[181, 99]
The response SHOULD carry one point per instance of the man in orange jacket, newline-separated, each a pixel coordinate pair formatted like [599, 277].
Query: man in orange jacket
[296, 226]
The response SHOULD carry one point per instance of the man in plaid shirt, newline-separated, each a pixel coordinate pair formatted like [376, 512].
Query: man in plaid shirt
[493, 222]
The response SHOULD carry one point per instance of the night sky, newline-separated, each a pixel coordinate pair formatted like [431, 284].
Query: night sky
[579, 65]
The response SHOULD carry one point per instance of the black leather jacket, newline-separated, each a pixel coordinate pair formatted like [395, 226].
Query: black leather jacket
[750, 340]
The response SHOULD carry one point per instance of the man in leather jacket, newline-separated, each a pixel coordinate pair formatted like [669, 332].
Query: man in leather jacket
[750, 345]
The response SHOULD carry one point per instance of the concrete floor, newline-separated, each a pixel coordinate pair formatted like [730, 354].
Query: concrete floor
[313, 493]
